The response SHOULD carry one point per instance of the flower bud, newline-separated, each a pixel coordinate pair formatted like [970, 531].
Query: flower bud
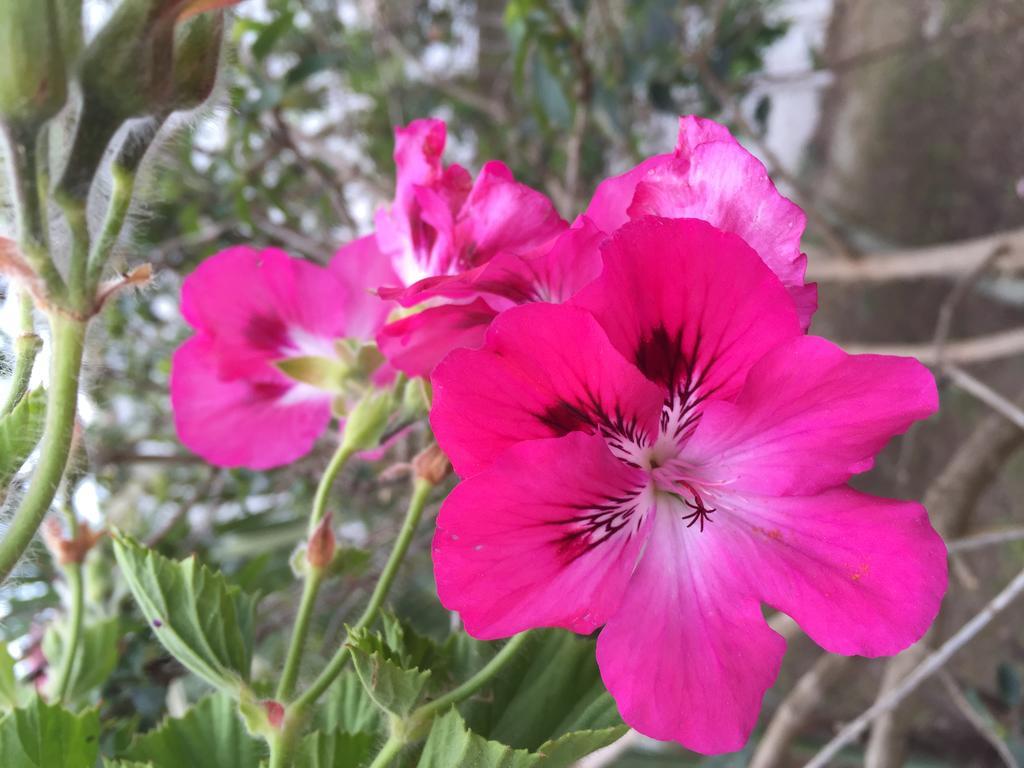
[368, 420]
[322, 545]
[33, 75]
[197, 48]
[431, 464]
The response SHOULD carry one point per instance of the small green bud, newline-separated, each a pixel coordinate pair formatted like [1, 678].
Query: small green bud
[367, 422]
[33, 75]
[197, 47]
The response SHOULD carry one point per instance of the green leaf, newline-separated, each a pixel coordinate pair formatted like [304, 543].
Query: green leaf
[393, 687]
[96, 658]
[210, 735]
[199, 618]
[551, 689]
[20, 431]
[452, 745]
[347, 706]
[335, 750]
[48, 736]
[570, 747]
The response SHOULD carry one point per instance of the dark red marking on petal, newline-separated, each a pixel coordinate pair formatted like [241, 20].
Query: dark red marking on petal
[267, 332]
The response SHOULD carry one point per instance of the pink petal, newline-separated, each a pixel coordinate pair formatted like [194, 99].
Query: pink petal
[416, 344]
[693, 306]
[263, 305]
[362, 269]
[609, 207]
[809, 417]
[547, 536]
[688, 655]
[254, 423]
[546, 370]
[554, 272]
[712, 177]
[502, 214]
[861, 575]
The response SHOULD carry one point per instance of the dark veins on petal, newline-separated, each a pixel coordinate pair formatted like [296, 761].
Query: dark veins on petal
[595, 523]
[621, 432]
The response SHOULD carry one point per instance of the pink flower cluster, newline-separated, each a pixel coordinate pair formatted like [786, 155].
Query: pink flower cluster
[648, 441]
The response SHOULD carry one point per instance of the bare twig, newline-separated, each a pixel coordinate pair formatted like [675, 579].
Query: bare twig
[936, 261]
[972, 716]
[792, 714]
[985, 539]
[963, 287]
[979, 349]
[985, 394]
[922, 672]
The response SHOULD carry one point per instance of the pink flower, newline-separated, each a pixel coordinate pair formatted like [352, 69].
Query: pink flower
[553, 273]
[663, 455]
[252, 310]
[442, 223]
[711, 177]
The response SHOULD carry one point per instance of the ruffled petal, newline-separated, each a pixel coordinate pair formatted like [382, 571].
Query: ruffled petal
[502, 214]
[255, 423]
[688, 655]
[546, 537]
[810, 416]
[554, 272]
[546, 370]
[711, 177]
[860, 574]
[416, 344]
[693, 307]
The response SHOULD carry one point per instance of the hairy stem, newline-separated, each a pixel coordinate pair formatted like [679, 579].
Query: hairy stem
[68, 339]
[421, 491]
[392, 747]
[26, 347]
[28, 208]
[475, 683]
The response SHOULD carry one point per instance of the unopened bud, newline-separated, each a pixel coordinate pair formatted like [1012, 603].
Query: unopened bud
[197, 48]
[33, 76]
[322, 545]
[431, 464]
[366, 423]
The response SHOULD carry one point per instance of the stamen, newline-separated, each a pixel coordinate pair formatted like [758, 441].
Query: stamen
[701, 514]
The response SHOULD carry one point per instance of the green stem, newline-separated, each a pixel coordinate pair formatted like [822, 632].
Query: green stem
[26, 347]
[73, 574]
[26, 197]
[68, 345]
[388, 752]
[310, 589]
[113, 223]
[76, 587]
[323, 489]
[314, 578]
[421, 491]
[475, 683]
[79, 293]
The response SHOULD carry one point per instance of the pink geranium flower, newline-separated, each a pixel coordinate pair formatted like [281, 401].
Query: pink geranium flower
[441, 222]
[710, 176]
[252, 311]
[662, 456]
